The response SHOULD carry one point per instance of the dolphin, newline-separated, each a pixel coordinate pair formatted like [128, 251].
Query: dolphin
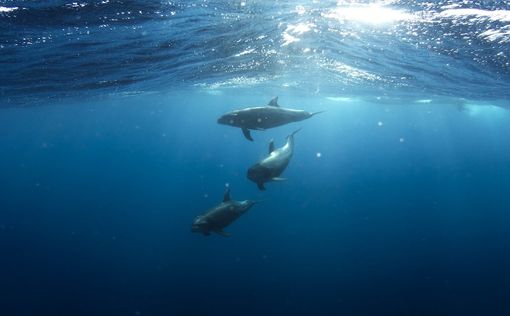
[263, 117]
[271, 167]
[220, 216]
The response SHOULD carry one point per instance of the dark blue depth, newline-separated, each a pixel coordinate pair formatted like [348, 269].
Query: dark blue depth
[97, 202]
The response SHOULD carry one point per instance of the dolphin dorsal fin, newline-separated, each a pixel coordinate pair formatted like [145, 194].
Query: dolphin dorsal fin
[226, 195]
[271, 146]
[273, 102]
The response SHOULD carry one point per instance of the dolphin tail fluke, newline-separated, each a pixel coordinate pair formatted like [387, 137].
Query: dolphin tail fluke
[247, 134]
[315, 113]
[261, 187]
[294, 132]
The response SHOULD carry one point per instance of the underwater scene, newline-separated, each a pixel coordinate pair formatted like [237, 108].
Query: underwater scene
[254, 157]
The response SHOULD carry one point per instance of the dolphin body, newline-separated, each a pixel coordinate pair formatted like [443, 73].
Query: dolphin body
[271, 167]
[220, 216]
[263, 117]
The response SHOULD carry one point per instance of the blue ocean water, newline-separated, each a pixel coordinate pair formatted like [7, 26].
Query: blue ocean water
[397, 199]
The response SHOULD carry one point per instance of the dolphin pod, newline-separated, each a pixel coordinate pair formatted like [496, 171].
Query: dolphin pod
[268, 169]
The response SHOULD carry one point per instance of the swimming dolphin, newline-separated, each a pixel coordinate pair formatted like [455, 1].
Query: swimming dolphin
[263, 117]
[271, 167]
[220, 216]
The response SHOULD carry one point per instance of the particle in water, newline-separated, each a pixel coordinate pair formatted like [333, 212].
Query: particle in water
[401, 139]
[318, 155]
[379, 123]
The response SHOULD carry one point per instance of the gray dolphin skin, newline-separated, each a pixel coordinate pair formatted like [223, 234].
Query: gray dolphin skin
[220, 216]
[263, 117]
[271, 167]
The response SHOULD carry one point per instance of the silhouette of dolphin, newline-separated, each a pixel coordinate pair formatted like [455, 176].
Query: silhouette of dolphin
[271, 167]
[263, 117]
[220, 216]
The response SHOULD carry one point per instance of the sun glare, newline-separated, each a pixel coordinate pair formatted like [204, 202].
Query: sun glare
[369, 14]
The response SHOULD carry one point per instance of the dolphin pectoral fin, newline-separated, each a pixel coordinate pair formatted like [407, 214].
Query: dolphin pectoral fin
[246, 133]
[271, 146]
[278, 179]
[261, 187]
[222, 233]
[273, 102]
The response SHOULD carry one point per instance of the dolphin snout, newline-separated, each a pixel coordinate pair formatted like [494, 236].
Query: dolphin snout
[252, 174]
[226, 120]
[195, 229]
